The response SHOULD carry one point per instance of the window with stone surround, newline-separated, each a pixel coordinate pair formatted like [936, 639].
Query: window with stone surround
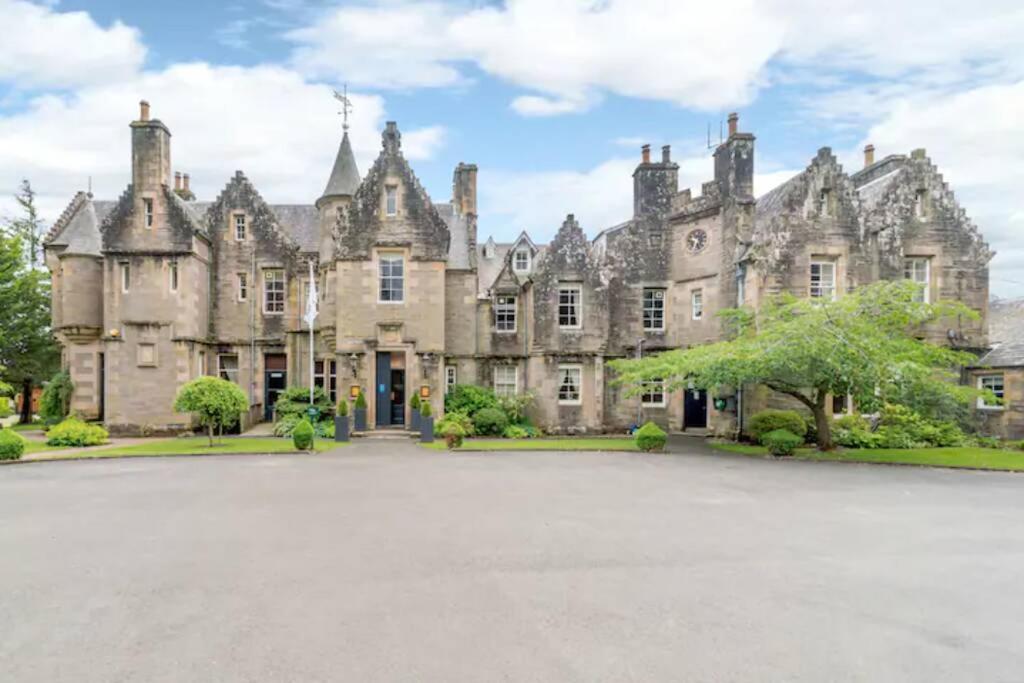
[653, 395]
[505, 313]
[570, 382]
[325, 376]
[274, 293]
[240, 227]
[126, 276]
[570, 306]
[391, 200]
[995, 384]
[521, 263]
[654, 309]
[227, 366]
[392, 278]
[697, 304]
[147, 208]
[823, 279]
[243, 286]
[174, 276]
[505, 380]
[451, 378]
[918, 269]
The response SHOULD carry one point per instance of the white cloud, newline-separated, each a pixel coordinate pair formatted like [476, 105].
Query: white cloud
[44, 48]
[282, 131]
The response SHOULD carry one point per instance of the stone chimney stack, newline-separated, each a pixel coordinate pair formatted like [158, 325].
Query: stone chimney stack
[734, 163]
[734, 120]
[151, 152]
[645, 154]
[869, 155]
[177, 180]
[654, 184]
[184, 179]
[464, 189]
[666, 154]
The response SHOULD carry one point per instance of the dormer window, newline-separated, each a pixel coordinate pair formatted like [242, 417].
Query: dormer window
[147, 207]
[521, 264]
[391, 200]
[240, 226]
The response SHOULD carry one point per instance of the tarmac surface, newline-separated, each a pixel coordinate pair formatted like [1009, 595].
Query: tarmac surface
[385, 562]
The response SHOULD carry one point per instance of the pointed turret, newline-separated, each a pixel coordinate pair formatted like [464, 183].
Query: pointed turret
[344, 178]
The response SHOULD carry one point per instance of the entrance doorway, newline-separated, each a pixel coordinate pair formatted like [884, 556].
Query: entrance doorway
[275, 381]
[695, 409]
[390, 402]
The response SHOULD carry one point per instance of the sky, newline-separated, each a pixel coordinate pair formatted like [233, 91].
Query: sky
[552, 99]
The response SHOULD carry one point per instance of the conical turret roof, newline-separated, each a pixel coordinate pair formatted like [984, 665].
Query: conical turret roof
[344, 178]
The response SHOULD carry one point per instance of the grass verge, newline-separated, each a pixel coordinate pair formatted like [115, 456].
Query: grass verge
[969, 457]
[197, 445]
[565, 444]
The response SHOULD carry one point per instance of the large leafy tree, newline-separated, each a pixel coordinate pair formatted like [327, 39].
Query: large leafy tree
[28, 352]
[862, 344]
[216, 403]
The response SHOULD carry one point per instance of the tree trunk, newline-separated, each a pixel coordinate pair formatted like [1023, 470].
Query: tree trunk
[210, 432]
[823, 423]
[26, 401]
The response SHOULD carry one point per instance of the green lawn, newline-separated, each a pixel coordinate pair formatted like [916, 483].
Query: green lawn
[33, 427]
[199, 445]
[966, 456]
[564, 444]
[40, 447]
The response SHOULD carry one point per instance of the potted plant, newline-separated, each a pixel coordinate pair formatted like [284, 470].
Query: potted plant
[341, 421]
[360, 411]
[426, 423]
[414, 404]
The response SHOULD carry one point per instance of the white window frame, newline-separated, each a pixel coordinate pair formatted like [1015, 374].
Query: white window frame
[822, 290]
[147, 211]
[502, 382]
[504, 312]
[650, 309]
[242, 284]
[451, 378]
[650, 389]
[911, 271]
[697, 304]
[221, 371]
[240, 222]
[577, 306]
[283, 290]
[525, 253]
[578, 370]
[1001, 394]
[391, 200]
[173, 276]
[126, 277]
[390, 258]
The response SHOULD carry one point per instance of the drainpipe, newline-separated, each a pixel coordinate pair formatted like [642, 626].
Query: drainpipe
[640, 402]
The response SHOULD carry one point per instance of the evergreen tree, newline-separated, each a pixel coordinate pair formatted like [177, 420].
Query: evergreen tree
[29, 227]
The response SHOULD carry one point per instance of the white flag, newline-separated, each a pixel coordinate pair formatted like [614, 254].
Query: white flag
[312, 303]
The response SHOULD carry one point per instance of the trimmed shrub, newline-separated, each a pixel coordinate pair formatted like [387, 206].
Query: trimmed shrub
[515, 432]
[302, 435]
[361, 400]
[342, 410]
[75, 433]
[651, 437]
[490, 421]
[425, 409]
[781, 441]
[295, 401]
[55, 403]
[771, 420]
[453, 434]
[460, 419]
[414, 402]
[469, 399]
[12, 444]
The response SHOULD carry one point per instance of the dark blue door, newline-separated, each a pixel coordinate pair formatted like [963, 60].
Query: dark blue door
[383, 389]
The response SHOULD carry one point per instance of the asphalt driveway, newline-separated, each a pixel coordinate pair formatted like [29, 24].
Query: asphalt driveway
[386, 563]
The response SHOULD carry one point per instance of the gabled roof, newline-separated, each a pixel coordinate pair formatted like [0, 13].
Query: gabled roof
[301, 222]
[1006, 333]
[71, 221]
[344, 180]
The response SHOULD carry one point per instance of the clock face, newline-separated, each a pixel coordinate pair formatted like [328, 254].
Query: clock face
[696, 241]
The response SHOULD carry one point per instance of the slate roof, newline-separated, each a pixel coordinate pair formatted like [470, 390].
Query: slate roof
[1006, 334]
[301, 222]
[344, 178]
[78, 227]
[458, 247]
[488, 269]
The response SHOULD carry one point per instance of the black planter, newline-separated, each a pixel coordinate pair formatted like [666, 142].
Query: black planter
[360, 419]
[341, 428]
[426, 428]
[414, 421]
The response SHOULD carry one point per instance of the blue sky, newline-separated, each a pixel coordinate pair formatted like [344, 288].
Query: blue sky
[551, 98]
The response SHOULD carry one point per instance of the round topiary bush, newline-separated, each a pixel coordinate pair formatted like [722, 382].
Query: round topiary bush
[770, 420]
[462, 420]
[12, 444]
[453, 434]
[75, 433]
[650, 437]
[490, 421]
[781, 441]
[302, 436]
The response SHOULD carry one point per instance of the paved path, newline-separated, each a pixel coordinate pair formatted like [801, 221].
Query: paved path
[384, 562]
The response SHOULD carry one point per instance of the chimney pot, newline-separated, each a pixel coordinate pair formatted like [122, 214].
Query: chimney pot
[645, 154]
[734, 120]
[869, 155]
[177, 180]
[184, 179]
[666, 154]
[143, 110]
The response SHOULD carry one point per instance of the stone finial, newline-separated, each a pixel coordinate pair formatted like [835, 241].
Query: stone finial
[869, 155]
[734, 120]
[645, 154]
[143, 110]
[392, 138]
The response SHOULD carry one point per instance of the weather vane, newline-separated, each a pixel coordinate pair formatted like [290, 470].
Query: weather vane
[346, 105]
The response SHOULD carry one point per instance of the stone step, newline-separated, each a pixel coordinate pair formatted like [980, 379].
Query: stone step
[386, 434]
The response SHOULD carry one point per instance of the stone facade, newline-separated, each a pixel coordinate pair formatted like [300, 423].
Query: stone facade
[157, 288]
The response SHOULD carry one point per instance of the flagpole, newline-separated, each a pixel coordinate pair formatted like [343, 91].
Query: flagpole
[310, 319]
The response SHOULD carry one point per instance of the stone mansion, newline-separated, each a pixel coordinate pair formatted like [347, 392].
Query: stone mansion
[155, 288]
